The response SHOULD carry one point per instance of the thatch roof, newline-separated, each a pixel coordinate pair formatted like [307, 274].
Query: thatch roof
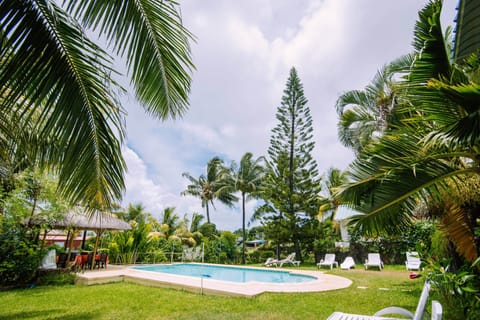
[78, 219]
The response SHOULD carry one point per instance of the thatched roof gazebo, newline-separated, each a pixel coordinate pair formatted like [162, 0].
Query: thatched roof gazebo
[78, 219]
[97, 221]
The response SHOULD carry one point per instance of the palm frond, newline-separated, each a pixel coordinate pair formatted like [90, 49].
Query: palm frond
[155, 44]
[459, 121]
[456, 225]
[49, 65]
[432, 59]
[393, 176]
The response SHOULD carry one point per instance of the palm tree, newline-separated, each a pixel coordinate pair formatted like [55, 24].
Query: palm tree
[247, 179]
[169, 221]
[334, 179]
[210, 186]
[135, 212]
[54, 76]
[433, 154]
[196, 222]
[365, 114]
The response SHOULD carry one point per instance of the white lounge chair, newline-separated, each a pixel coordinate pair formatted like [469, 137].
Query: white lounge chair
[418, 315]
[347, 264]
[270, 262]
[437, 310]
[328, 261]
[289, 259]
[48, 262]
[413, 261]
[374, 260]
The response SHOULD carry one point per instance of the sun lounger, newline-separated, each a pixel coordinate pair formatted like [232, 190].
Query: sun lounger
[413, 261]
[437, 310]
[328, 261]
[289, 259]
[347, 264]
[270, 262]
[374, 260]
[418, 315]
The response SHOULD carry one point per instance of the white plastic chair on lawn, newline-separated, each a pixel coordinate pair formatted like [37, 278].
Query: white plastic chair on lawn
[413, 261]
[289, 259]
[347, 264]
[418, 315]
[270, 262]
[374, 260]
[328, 261]
[437, 310]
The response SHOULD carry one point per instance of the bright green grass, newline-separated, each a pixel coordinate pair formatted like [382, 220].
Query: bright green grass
[131, 301]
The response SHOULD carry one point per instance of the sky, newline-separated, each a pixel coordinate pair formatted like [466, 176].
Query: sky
[243, 53]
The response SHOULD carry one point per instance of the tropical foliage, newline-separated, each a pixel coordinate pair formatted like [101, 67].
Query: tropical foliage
[60, 83]
[431, 152]
[459, 292]
[366, 114]
[28, 207]
[332, 180]
[247, 179]
[210, 186]
[20, 255]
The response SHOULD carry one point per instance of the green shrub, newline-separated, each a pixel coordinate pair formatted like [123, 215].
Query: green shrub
[393, 248]
[265, 254]
[19, 255]
[157, 256]
[458, 292]
[253, 256]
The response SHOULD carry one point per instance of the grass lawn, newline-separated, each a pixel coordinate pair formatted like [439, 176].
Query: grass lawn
[367, 295]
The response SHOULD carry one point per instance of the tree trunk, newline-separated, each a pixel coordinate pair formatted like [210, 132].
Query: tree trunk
[243, 228]
[296, 241]
[208, 213]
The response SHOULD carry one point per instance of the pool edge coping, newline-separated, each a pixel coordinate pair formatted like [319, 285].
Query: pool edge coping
[324, 282]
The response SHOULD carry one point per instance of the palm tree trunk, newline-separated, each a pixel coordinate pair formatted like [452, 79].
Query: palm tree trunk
[208, 213]
[243, 228]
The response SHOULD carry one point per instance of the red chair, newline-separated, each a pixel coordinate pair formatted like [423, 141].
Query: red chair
[101, 260]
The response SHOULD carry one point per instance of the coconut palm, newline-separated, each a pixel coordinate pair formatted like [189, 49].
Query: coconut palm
[432, 153]
[246, 178]
[210, 186]
[169, 221]
[196, 222]
[54, 77]
[365, 114]
[333, 180]
[135, 212]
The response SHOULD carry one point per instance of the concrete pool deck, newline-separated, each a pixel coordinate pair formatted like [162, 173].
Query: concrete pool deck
[323, 282]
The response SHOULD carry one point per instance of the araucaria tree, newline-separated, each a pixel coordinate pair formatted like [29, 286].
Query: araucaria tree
[292, 180]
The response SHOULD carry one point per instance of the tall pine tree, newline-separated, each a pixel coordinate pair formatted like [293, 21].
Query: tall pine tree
[292, 179]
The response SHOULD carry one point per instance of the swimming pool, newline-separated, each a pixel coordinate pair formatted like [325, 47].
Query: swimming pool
[206, 285]
[228, 273]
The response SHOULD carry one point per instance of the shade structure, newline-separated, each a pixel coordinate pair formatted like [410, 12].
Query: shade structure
[97, 221]
[77, 219]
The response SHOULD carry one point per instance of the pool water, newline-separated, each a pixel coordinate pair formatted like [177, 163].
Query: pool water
[226, 273]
